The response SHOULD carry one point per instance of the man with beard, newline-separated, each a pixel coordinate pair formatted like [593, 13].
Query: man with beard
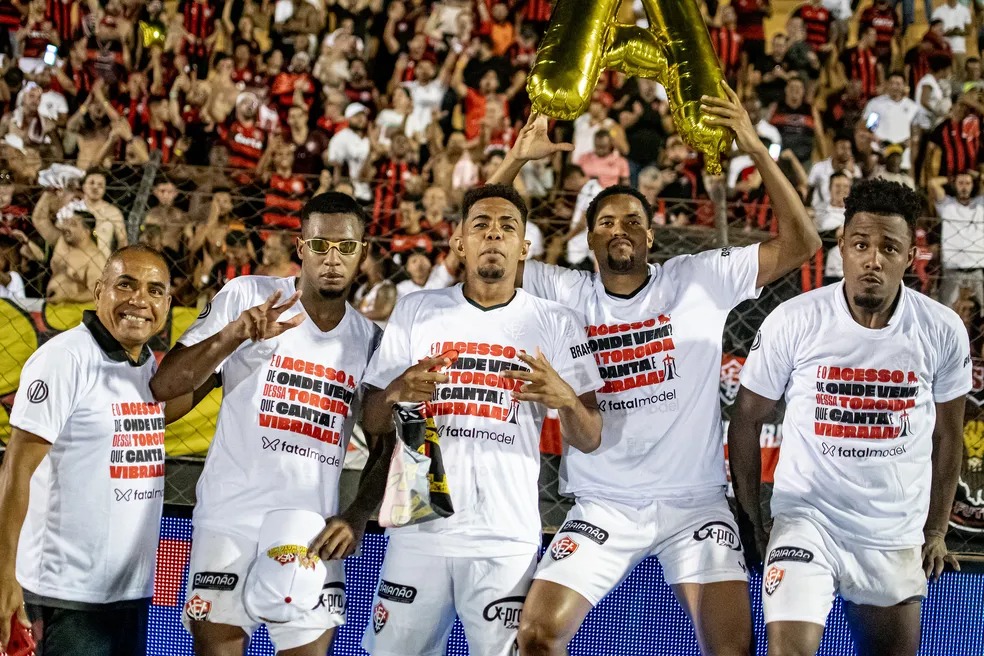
[487, 360]
[874, 376]
[271, 449]
[656, 486]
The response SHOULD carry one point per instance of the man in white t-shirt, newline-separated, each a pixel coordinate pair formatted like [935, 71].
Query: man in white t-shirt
[962, 216]
[488, 361]
[656, 486]
[82, 482]
[874, 376]
[842, 160]
[895, 110]
[290, 356]
[956, 24]
[350, 148]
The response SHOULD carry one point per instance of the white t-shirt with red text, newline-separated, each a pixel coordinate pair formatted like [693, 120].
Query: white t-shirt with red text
[94, 516]
[287, 412]
[490, 443]
[860, 410]
[659, 353]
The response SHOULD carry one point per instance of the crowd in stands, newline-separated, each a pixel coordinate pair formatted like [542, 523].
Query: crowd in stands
[243, 109]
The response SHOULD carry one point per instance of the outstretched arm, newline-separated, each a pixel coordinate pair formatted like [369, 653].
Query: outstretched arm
[797, 239]
[532, 143]
[187, 368]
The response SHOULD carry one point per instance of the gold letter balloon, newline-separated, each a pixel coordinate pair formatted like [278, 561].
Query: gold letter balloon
[584, 39]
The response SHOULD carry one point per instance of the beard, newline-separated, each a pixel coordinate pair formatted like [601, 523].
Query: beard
[491, 272]
[868, 301]
[333, 294]
[621, 265]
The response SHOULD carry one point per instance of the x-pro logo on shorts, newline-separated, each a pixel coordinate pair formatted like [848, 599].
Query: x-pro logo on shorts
[270, 444]
[37, 391]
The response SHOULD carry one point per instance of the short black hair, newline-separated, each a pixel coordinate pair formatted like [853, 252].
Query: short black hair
[502, 191]
[334, 202]
[120, 253]
[940, 62]
[236, 238]
[88, 218]
[899, 74]
[843, 135]
[885, 198]
[618, 190]
[837, 175]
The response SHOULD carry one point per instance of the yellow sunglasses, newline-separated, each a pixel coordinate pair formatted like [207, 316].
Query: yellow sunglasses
[323, 246]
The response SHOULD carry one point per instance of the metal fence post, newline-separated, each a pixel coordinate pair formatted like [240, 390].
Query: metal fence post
[139, 209]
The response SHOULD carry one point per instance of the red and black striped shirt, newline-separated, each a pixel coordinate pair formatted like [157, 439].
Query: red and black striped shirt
[36, 41]
[391, 183]
[9, 16]
[862, 65]
[751, 19]
[817, 22]
[199, 22]
[959, 144]
[727, 44]
[245, 143]
[886, 22]
[284, 200]
[537, 11]
[163, 140]
[59, 12]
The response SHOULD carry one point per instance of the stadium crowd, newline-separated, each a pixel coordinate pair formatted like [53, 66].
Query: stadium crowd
[248, 108]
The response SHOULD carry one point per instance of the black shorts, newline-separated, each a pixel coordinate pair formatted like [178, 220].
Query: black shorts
[118, 630]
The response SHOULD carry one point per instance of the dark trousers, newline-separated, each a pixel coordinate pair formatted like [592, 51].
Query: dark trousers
[116, 632]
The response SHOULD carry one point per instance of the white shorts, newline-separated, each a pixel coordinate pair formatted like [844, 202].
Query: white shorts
[216, 574]
[806, 568]
[602, 541]
[418, 595]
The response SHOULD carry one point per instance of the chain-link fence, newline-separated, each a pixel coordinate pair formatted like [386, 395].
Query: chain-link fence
[214, 224]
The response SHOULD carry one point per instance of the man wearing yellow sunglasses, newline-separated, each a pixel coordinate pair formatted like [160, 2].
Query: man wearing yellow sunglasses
[290, 403]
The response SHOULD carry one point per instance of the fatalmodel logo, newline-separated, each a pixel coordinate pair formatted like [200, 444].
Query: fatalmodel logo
[590, 531]
[214, 581]
[721, 533]
[507, 610]
[403, 594]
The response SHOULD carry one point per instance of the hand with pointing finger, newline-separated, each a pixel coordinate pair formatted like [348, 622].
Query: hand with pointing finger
[417, 384]
[542, 383]
[262, 322]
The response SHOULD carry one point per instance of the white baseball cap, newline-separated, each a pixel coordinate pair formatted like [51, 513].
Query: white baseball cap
[355, 108]
[285, 581]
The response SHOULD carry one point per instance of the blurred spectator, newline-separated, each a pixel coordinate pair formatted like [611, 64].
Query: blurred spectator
[376, 296]
[728, 44]
[645, 118]
[892, 167]
[954, 146]
[831, 217]
[842, 161]
[436, 209]
[409, 234]
[834, 268]
[891, 113]
[285, 192]
[27, 136]
[422, 273]
[596, 120]
[350, 148]
[861, 63]
[750, 16]
[817, 21]
[961, 212]
[770, 71]
[604, 163]
[797, 122]
[956, 25]
[238, 261]
[110, 229]
[278, 250]
[76, 260]
[883, 17]
[11, 282]
[933, 92]
[390, 174]
[172, 220]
